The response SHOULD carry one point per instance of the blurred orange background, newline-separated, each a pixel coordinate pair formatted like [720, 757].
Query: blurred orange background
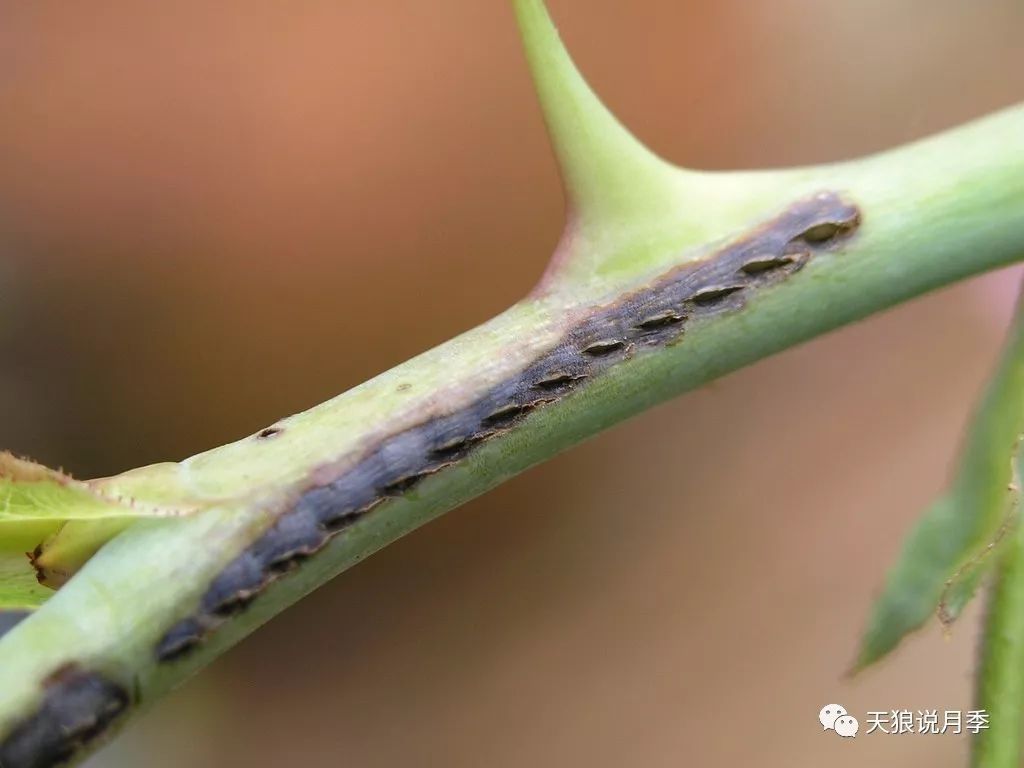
[216, 214]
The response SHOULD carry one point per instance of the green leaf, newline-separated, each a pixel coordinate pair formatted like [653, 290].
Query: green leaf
[952, 547]
[19, 537]
[19, 589]
[32, 492]
[61, 522]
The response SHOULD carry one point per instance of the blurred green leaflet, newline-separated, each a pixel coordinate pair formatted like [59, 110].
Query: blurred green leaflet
[30, 492]
[19, 589]
[951, 548]
[50, 524]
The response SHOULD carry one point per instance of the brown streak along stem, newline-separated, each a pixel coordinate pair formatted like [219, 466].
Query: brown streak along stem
[646, 318]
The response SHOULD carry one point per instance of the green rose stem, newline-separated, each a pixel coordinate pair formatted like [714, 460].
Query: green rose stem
[932, 213]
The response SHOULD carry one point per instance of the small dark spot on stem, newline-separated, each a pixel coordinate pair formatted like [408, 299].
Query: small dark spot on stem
[269, 432]
[337, 504]
[453, 447]
[238, 600]
[660, 320]
[714, 293]
[235, 586]
[504, 414]
[183, 637]
[285, 564]
[340, 522]
[557, 380]
[766, 262]
[819, 233]
[295, 536]
[77, 708]
[402, 484]
[603, 347]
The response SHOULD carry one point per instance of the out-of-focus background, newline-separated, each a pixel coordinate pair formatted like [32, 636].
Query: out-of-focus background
[201, 204]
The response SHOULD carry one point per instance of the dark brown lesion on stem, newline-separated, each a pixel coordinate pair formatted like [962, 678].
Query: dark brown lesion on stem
[77, 708]
[653, 316]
